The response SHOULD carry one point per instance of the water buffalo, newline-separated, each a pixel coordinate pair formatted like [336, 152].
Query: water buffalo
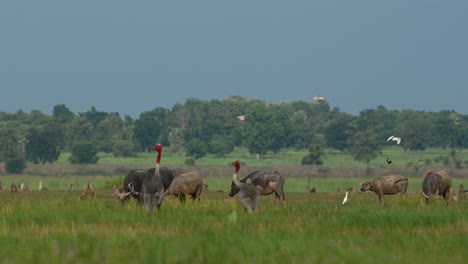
[135, 179]
[266, 182]
[391, 184]
[186, 183]
[438, 183]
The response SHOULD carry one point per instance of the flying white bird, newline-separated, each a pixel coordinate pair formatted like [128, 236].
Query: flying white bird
[396, 139]
[345, 198]
[241, 118]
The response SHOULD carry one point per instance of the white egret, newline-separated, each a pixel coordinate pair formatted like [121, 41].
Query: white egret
[396, 139]
[345, 198]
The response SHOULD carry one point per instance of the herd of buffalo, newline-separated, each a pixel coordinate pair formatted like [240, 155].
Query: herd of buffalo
[149, 187]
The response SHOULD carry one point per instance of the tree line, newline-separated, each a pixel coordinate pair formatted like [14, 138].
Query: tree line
[200, 127]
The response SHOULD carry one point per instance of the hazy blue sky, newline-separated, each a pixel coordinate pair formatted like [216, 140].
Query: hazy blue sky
[133, 56]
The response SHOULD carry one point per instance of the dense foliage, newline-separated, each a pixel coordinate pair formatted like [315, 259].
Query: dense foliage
[200, 127]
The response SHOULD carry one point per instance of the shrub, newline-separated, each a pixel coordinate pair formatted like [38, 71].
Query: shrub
[83, 153]
[15, 165]
[190, 162]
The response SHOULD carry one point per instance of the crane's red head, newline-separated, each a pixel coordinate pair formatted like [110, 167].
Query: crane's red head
[236, 164]
[158, 147]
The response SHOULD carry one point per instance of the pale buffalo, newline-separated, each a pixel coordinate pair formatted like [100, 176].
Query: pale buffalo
[391, 184]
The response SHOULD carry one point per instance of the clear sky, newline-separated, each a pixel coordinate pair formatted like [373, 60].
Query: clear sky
[133, 56]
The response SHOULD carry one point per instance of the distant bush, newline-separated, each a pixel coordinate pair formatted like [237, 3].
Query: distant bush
[15, 166]
[83, 153]
[190, 162]
[124, 148]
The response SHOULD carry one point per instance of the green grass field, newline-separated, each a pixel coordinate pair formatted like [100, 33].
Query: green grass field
[55, 226]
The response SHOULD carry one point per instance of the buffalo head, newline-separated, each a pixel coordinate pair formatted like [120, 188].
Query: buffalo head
[366, 186]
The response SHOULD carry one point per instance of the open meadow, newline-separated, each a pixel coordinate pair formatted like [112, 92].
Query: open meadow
[56, 226]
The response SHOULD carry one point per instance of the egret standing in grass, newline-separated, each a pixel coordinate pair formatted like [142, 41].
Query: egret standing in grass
[345, 198]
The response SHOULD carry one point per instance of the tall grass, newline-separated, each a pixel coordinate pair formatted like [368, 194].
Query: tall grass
[55, 227]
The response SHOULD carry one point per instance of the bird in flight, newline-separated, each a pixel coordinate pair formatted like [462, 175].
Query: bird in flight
[396, 139]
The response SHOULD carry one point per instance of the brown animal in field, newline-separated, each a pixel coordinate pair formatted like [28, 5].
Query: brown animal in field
[13, 187]
[186, 183]
[461, 191]
[437, 183]
[71, 188]
[88, 193]
[391, 184]
[267, 182]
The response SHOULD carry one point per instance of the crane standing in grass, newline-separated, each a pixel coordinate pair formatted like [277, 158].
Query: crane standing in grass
[249, 195]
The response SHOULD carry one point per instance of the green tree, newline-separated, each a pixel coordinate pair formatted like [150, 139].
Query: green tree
[150, 128]
[83, 152]
[9, 138]
[339, 131]
[416, 129]
[62, 114]
[94, 116]
[195, 149]
[45, 143]
[298, 121]
[261, 133]
[220, 146]
[366, 145]
[176, 139]
[123, 148]
[316, 151]
[15, 166]
[447, 128]
[112, 125]
[79, 129]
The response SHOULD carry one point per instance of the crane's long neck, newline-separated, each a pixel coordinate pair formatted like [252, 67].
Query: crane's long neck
[158, 160]
[234, 176]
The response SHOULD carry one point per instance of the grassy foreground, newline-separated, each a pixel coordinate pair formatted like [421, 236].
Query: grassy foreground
[56, 227]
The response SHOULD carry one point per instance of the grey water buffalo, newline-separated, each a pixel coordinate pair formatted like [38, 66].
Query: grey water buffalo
[186, 183]
[267, 182]
[437, 183]
[384, 185]
[134, 179]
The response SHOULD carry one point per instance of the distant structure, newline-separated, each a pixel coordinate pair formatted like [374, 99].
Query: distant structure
[396, 139]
